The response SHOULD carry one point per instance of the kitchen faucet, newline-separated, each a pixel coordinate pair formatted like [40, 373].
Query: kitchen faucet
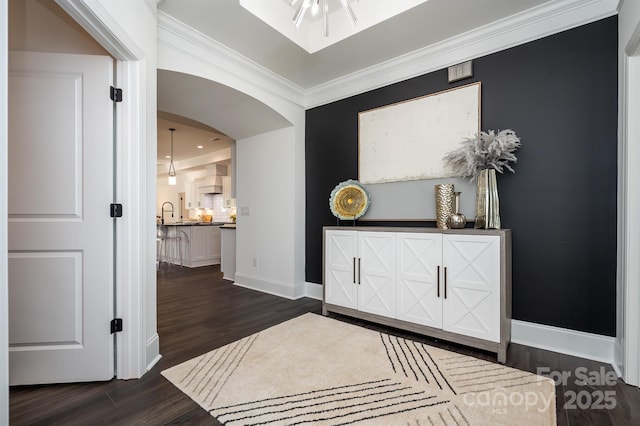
[163, 210]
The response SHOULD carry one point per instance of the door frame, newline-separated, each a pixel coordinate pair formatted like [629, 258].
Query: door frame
[135, 251]
[627, 351]
[4, 190]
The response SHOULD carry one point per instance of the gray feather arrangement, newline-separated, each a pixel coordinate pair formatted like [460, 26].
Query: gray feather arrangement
[487, 150]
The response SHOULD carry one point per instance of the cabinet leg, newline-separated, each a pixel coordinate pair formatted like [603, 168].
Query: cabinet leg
[502, 355]
[324, 311]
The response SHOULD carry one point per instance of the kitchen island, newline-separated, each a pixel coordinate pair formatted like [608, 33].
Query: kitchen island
[228, 265]
[190, 244]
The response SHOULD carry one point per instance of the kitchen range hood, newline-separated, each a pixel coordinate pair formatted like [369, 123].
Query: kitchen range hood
[212, 182]
[210, 185]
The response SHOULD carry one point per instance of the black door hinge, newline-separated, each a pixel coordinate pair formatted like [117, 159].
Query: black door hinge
[116, 94]
[116, 325]
[116, 210]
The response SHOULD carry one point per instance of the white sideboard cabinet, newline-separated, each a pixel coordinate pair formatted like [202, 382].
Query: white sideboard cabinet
[449, 284]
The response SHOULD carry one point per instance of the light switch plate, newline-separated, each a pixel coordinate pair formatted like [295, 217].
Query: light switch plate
[245, 211]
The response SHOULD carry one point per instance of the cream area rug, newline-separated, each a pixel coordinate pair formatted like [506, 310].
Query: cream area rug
[314, 370]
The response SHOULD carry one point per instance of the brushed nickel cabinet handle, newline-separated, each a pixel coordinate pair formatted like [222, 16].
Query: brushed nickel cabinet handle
[359, 270]
[438, 280]
[354, 270]
[445, 282]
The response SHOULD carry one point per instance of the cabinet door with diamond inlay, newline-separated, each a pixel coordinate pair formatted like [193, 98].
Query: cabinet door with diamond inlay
[472, 284]
[340, 281]
[419, 294]
[376, 273]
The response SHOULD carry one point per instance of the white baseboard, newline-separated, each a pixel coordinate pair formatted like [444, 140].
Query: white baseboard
[153, 351]
[617, 357]
[277, 288]
[313, 290]
[570, 342]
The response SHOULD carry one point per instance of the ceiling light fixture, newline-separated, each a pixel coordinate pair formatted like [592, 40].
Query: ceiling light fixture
[323, 5]
[172, 169]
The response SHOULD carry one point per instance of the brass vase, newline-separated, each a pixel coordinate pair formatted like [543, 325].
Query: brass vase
[444, 204]
[487, 202]
[456, 220]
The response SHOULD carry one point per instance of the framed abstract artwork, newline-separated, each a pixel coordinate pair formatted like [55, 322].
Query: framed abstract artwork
[407, 140]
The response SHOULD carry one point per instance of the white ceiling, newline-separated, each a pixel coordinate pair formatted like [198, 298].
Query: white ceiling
[187, 137]
[426, 26]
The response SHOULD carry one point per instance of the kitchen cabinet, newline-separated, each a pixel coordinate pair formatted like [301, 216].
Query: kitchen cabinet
[205, 201]
[204, 246]
[227, 196]
[453, 284]
[228, 258]
[195, 199]
[190, 195]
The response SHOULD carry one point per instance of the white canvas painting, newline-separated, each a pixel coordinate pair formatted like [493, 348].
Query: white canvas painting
[407, 140]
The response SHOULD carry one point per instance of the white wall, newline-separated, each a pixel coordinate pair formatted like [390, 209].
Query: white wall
[627, 351]
[39, 26]
[265, 238]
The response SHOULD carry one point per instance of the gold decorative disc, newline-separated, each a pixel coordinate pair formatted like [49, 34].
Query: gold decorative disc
[349, 200]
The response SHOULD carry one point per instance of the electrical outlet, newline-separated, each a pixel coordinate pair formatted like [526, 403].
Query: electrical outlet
[255, 262]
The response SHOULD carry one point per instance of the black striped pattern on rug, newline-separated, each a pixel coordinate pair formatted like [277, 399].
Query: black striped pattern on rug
[414, 361]
[340, 405]
[212, 370]
[451, 415]
[469, 375]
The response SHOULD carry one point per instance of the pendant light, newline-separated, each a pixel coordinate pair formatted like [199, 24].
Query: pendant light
[172, 169]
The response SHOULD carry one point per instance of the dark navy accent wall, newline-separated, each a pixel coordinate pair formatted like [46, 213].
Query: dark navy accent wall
[560, 96]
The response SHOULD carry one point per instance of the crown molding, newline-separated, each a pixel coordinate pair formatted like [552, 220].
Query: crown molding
[533, 24]
[171, 32]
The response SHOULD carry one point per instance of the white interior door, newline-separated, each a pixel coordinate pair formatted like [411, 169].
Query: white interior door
[60, 232]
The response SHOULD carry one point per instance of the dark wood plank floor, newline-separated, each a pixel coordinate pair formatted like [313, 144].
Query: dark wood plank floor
[199, 311]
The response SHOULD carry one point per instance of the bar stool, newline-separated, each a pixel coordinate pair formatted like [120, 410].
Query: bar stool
[159, 244]
[168, 246]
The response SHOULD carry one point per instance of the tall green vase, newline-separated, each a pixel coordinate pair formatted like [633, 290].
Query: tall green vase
[487, 202]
